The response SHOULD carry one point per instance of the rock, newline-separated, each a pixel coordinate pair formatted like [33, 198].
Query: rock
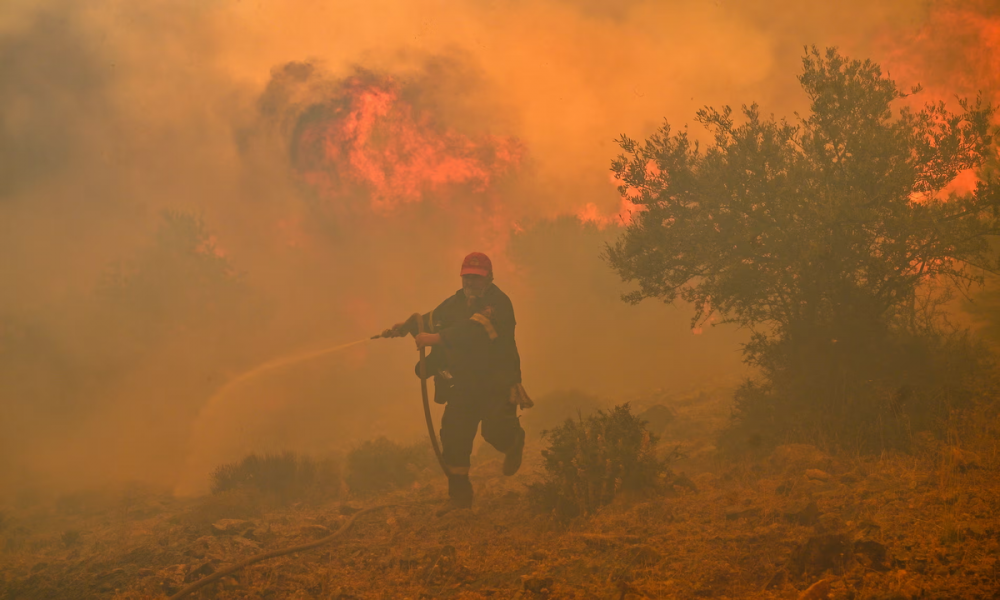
[258, 534]
[817, 475]
[203, 570]
[849, 478]
[738, 512]
[538, 585]
[872, 555]
[172, 578]
[683, 481]
[807, 516]
[869, 527]
[817, 591]
[230, 526]
[245, 543]
[820, 553]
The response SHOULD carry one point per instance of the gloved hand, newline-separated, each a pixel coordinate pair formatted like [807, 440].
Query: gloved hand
[520, 397]
[395, 331]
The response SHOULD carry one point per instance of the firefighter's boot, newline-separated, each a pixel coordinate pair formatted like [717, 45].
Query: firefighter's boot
[459, 491]
[512, 458]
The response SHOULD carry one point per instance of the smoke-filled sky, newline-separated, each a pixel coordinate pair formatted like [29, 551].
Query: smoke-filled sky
[190, 188]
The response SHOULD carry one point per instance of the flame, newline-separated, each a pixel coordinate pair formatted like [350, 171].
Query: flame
[369, 142]
[956, 51]
[590, 213]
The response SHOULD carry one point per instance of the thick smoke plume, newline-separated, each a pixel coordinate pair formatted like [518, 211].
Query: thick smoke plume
[190, 189]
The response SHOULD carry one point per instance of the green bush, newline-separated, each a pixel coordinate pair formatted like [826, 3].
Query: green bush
[286, 477]
[590, 460]
[380, 465]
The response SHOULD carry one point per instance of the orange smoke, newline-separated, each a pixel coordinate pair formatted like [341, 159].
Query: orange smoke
[368, 142]
[956, 51]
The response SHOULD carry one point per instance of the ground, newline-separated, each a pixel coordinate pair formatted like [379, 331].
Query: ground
[791, 523]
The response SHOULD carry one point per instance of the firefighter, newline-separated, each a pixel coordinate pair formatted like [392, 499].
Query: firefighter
[476, 371]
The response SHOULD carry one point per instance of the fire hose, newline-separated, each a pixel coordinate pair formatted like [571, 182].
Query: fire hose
[423, 384]
[300, 548]
[197, 585]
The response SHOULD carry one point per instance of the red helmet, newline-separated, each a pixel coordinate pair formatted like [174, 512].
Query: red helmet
[477, 263]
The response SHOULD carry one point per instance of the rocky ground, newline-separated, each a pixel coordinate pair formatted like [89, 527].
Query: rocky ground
[795, 523]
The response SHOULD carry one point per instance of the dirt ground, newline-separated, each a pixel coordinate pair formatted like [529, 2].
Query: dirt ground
[795, 523]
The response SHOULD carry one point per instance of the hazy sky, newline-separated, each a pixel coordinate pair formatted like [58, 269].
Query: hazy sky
[506, 113]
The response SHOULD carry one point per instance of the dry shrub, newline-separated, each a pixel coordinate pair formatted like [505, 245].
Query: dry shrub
[285, 477]
[865, 397]
[381, 465]
[592, 459]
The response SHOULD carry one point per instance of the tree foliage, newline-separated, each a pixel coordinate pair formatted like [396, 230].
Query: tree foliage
[838, 216]
[841, 226]
[181, 282]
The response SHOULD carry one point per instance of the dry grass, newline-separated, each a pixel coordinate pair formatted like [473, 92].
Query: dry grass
[759, 528]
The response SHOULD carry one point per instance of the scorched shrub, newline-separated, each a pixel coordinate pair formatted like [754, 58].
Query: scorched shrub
[592, 459]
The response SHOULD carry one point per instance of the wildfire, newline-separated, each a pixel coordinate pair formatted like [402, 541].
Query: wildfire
[369, 142]
[956, 51]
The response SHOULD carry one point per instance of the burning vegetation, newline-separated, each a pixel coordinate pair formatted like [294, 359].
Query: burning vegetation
[370, 141]
[857, 461]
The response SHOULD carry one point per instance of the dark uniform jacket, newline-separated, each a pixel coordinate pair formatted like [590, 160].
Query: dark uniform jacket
[478, 349]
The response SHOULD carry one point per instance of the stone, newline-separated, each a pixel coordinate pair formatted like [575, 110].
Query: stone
[817, 475]
[203, 570]
[817, 591]
[738, 512]
[230, 526]
[872, 555]
[538, 585]
[820, 553]
[806, 516]
[245, 543]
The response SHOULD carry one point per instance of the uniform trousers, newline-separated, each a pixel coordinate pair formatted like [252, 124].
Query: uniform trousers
[469, 407]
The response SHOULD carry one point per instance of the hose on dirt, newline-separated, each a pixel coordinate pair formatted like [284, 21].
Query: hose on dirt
[197, 585]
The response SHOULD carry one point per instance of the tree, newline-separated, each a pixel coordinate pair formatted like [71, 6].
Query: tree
[835, 238]
[179, 284]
